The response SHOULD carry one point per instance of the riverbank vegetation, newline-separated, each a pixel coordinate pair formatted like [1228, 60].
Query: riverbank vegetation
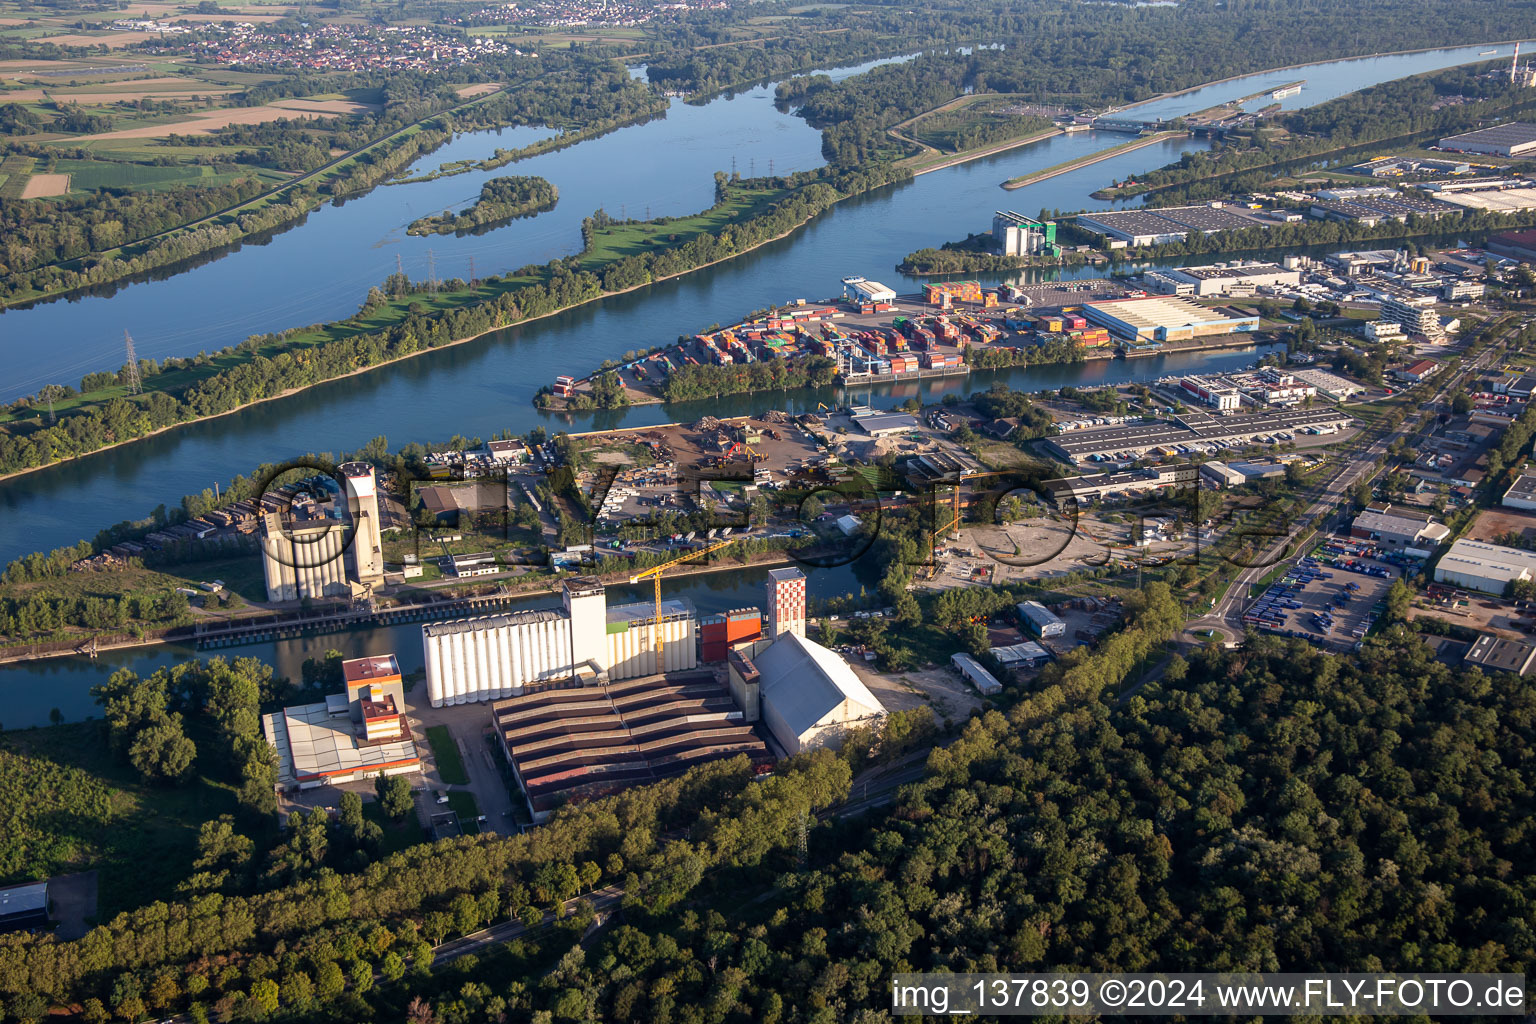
[691, 383]
[501, 200]
[59, 245]
[403, 318]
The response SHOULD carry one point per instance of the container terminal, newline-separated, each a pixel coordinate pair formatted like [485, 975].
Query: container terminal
[875, 335]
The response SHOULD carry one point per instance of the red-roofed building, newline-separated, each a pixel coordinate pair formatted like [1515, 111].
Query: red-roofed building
[1517, 245]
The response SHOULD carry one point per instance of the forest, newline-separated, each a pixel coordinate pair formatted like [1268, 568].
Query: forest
[501, 201]
[1266, 808]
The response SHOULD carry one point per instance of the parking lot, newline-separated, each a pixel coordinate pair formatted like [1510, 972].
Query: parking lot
[1332, 597]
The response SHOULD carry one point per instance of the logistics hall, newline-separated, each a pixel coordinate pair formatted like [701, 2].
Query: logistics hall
[1163, 318]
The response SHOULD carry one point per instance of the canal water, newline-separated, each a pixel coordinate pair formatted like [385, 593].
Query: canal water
[320, 270]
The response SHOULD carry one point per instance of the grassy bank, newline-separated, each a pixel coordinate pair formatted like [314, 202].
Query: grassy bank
[619, 257]
[1092, 158]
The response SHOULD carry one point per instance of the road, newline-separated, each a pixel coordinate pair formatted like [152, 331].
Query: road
[1225, 617]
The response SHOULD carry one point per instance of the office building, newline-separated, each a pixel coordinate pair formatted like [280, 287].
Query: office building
[1487, 568]
[1383, 330]
[786, 603]
[1416, 313]
[584, 642]
[1164, 318]
[1512, 139]
[1018, 235]
[365, 677]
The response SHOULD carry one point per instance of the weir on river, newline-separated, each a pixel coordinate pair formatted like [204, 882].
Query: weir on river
[322, 268]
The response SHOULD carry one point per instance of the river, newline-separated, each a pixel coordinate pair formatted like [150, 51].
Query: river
[487, 385]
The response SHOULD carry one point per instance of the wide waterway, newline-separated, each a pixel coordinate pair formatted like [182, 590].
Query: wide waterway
[320, 269]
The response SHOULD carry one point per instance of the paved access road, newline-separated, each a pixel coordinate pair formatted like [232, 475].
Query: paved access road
[1226, 617]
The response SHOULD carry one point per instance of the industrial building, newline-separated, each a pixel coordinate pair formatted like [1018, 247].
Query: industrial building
[719, 633]
[1421, 370]
[1240, 279]
[302, 555]
[304, 546]
[1106, 485]
[1190, 429]
[587, 742]
[976, 674]
[1220, 396]
[1220, 475]
[1169, 224]
[1512, 139]
[1517, 245]
[356, 734]
[805, 694]
[1018, 235]
[866, 292]
[24, 907]
[1164, 318]
[362, 497]
[1496, 654]
[1329, 385]
[584, 641]
[1370, 210]
[1502, 200]
[883, 424]
[1522, 493]
[1399, 529]
[1028, 654]
[785, 594]
[1488, 568]
[1041, 621]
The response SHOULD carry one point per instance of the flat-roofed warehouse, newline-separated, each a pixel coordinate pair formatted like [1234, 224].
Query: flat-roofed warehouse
[580, 743]
[1502, 200]
[1164, 318]
[1220, 279]
[1488, 568]
[1170, 224]
[1510, 139]
[1189, 428]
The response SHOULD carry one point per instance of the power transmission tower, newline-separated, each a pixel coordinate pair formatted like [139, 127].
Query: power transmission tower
[50, 409]
[474, 282]
[135, 382]
[803, 828]
[399, 267]
[770, 167]
[432, 271]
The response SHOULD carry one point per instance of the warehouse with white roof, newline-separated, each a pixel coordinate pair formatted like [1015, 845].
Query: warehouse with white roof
[1489, 568]
[808, 695]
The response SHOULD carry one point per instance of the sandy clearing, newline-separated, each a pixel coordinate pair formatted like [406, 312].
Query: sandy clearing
[149, 83]
[326, 106]
[41, 185]
[207, 124]
[478, 89]
[111, 40]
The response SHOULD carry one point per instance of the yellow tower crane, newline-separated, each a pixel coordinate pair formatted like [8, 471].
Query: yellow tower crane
[655, 574]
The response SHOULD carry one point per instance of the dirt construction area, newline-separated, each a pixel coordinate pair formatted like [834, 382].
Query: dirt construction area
[1493, 523]
[1048, 545]
[940, 689]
